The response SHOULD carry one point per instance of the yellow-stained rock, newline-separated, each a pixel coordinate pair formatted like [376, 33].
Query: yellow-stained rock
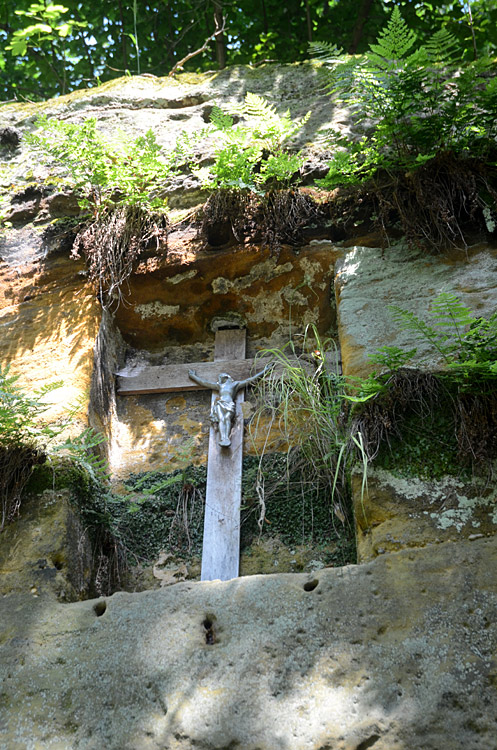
[46, 551]
[49, 318]
[394, 513]
[167, 319]
[174, 302]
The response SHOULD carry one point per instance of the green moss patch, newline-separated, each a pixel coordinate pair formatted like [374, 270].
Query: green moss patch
[160, 511]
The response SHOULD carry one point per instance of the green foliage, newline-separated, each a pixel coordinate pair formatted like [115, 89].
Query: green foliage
[468, 344]
[121, 182]
[252, 157]
[120, 37]
[118, 173]
[166, 510]
[426, 446]
[296, 509]
[420, 100]
[441, 422]
[47, 28]
[26, 440]
[20, 413]
[309, 405]
[392, 357]
[82, 452]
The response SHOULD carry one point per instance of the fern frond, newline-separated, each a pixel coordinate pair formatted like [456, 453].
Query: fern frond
[394, 42]
[258, 107]
[220, 119]
[449, 313]
[441, 47]
[325, 51]
[409, 321]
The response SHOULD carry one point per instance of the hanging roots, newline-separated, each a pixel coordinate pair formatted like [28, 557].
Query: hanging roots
[275, 219]
[381, 418]
[16, 465]
[437, 203]
[109, 562]
[113, 243]
[410, 392]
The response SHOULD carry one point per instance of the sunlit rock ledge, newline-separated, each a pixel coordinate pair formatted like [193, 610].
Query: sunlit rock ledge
[397, 653]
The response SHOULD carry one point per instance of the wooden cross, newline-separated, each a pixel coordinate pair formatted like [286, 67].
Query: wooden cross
[221, 542]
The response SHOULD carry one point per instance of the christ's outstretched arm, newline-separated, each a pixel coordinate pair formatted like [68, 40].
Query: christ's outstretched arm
[242, 383]
[193, 375]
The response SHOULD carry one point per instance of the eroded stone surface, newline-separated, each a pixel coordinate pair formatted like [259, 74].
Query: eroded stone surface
[49, 318]
[169, 106]
[369, 279]
[170, 315]
[397, 653]
[393, 513]
[46, 550]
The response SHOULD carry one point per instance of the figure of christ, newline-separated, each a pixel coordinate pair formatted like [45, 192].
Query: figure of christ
[223, 409]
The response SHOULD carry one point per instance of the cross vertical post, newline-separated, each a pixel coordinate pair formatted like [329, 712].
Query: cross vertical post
[221, 542]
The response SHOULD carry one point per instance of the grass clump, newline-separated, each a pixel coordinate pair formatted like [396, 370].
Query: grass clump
[306, 398]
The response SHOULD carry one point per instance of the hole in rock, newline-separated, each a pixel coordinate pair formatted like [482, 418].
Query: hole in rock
[369, 742]
[219, 234]
[100, 607]
[311, 585]
[58, 562]
[208, 625]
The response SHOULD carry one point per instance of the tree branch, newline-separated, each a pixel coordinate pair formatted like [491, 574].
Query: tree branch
[198, 51]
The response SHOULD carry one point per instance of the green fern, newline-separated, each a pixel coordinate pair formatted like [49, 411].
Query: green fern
[81, 450]
[220, 119]
[465, 342]
[418, 101]
[441, 47]
[253, 156]
[393, 43]
[272, 128]
[451, 316]
[326, 52]
[409, 321]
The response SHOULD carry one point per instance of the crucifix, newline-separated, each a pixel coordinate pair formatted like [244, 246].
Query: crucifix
[221, 542]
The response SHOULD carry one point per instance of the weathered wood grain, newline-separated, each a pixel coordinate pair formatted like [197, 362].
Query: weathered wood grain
[170, 378]
[221, 543]
[167, 378]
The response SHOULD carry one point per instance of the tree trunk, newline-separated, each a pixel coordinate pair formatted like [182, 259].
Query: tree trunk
[264, 18]
[361, 20]
[123, 37]
[308, 20]
[220, 38]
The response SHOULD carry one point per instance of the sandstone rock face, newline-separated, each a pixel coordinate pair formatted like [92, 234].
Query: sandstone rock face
[167, 321]
[169, 106]
[394, 513]
[398, 653]
[45, 551]
[49, 318]
[369, 279]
